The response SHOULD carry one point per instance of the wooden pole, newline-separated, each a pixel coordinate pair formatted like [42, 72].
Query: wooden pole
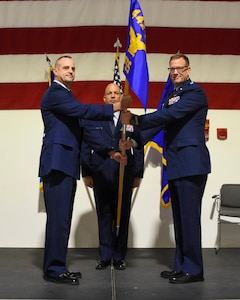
[121, 172]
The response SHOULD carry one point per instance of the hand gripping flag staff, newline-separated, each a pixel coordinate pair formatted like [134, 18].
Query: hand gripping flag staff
[136, 71]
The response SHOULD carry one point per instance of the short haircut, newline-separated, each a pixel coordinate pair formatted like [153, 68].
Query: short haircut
[63, 56]
[180, 55]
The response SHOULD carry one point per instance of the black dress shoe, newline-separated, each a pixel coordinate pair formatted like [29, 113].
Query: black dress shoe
[103, 264]
[170, 274]
[119, 265]
[64, 278]
[74, 274]
[186, 278]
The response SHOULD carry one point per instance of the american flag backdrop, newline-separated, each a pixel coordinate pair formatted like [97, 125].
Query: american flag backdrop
[207, 31]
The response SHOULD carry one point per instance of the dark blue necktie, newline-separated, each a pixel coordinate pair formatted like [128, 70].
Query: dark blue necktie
[112, 126]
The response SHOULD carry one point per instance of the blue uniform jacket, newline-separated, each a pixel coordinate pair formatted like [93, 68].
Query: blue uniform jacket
[61, 114]
[99, 140]
[183, 118]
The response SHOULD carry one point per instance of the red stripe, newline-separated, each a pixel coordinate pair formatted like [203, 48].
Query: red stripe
[28, 95]
[101, 39]
[177, 0]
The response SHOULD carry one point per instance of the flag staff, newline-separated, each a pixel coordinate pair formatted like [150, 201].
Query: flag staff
[136, 72]
[50, 71]
[49, 82]
[118, 45]
[48, 60]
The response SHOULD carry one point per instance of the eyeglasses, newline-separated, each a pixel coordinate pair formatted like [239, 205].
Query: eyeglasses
[178, 69]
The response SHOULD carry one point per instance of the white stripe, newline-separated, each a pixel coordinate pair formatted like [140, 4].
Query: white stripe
[100, 66]
[108, 12]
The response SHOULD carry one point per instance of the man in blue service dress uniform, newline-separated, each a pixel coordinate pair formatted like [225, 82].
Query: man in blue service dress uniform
[100, 170]
[188, 164]
[60, 164]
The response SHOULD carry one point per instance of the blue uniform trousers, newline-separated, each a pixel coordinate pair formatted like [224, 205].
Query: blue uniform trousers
[186, 199]
[59, 192]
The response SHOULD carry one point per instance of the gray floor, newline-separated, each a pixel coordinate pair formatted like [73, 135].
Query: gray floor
[21, 276]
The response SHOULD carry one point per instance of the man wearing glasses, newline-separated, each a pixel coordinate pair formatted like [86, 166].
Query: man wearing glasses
[183, 118]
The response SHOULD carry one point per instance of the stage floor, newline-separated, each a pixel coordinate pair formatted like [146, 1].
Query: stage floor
[21, 276]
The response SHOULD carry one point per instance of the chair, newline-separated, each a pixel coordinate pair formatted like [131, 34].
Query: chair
[227, 205]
